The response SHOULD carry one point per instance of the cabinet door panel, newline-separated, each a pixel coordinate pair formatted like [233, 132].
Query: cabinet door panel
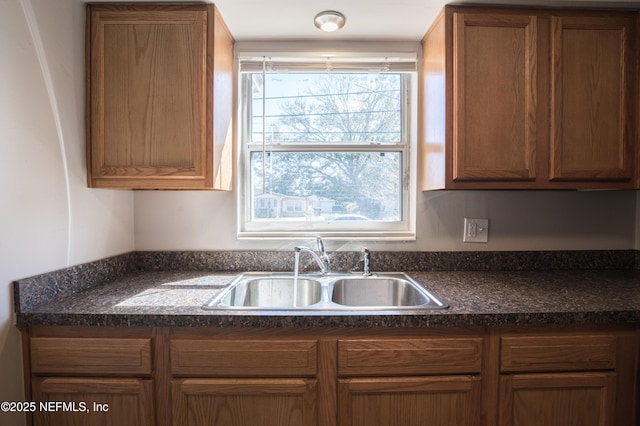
[244, 402]
[107, 402]
[241, 358]
[402, 357]
[557, 353]
[592, 95]
[96, 356]
[495, 97]
[411, 401]
[148, 93]
[151, 72]
[562, 399]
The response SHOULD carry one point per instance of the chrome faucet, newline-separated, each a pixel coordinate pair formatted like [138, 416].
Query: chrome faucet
[322, 259]
[366, 259]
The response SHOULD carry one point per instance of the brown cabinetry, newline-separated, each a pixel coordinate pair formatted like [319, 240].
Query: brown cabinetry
[88, 380]
[269, 382]
[516, 98]
[558, 399]
[593, 78]
[574, 375]
[244, 402]
[155, 76]
[564, 379]
[409, 382]
[400, 401]
[90, 401]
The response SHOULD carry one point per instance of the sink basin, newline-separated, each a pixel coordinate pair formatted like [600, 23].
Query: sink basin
[271, 292]
[393, 291]
[378, 291]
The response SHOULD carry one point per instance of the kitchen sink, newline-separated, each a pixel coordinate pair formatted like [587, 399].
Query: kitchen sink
[377, 291]
[333, 292]
[272, 292]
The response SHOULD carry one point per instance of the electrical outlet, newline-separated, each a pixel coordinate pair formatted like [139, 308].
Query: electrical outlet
[475, 230]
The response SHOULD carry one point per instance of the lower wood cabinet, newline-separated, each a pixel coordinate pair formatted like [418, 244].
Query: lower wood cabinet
[244, 402]
[441, 376]
[559, 399]
[410, 381]
[82, 401]
[405, 401]
[565, 378]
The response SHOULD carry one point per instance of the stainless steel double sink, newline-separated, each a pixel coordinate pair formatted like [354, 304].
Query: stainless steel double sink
[331, 292]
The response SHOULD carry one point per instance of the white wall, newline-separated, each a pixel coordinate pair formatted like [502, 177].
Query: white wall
[49, 219]
[518, 220]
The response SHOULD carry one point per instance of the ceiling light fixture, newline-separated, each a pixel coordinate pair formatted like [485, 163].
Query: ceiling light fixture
[329, 21]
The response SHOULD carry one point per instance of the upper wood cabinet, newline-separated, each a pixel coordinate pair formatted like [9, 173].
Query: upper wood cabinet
[516, 98]
[159, 97]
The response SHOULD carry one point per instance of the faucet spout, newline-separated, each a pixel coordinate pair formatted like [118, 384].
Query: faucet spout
[321, 258]
[322, 264]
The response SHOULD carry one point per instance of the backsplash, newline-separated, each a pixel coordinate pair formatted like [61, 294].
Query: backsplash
[230, 261]
[40, 289]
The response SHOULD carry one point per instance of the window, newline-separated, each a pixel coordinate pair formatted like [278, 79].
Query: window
[325, 151]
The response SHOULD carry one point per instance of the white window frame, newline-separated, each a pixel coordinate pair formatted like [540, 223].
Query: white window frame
[403, 230]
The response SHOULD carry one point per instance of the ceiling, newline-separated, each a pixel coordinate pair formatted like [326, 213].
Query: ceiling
[390, 20]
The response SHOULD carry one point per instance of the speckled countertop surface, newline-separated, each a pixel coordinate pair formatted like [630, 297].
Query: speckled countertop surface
[174, 298]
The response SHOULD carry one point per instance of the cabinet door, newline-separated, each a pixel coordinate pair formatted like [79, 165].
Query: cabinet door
[151, 71]
[410, 401]
[89, 401]
[593, 96]
[244, 402]
[562, 399]
[494, 97]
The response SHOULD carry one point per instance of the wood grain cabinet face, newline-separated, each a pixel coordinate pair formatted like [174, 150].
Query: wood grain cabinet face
[341, 377]
[151, 72]
[495, 97]
[95, 356]
[244, 382]
[530, 99]
[94, 401]
[244, 402]
[415, 389]
[557, 353]
[593, 82]
[243, 358]
[559, 399]
[583, 379]
[409, 356]
[435, 401]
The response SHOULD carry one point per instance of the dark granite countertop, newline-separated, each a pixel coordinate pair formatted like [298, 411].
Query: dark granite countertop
[174, 298]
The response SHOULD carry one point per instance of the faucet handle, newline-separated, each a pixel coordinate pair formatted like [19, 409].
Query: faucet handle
[323, 254]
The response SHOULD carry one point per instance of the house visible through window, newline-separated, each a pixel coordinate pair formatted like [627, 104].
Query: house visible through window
[325, 150]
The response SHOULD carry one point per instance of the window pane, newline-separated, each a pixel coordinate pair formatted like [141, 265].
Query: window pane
[327, 107]
[327, 186]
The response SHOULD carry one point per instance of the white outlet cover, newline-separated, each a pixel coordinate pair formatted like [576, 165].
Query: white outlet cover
[475, 230]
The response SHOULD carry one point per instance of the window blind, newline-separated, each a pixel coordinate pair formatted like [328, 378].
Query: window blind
[405, 63]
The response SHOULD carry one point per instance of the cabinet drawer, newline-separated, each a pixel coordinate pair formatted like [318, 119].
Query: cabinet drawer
[557, 353]
[239, 358]
[409, 356]
[90, 355]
